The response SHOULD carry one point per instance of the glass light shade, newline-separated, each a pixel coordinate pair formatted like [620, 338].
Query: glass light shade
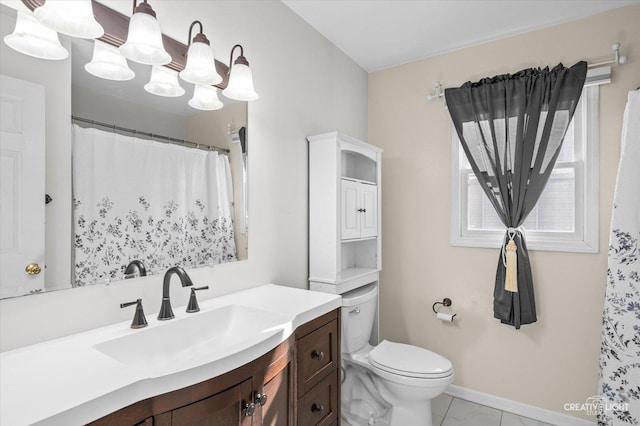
[205, 98]
[164, 82]
[240, 85]
[70, 17]
[201, 66]
[108, 63]
[33, 38]
[144, 41]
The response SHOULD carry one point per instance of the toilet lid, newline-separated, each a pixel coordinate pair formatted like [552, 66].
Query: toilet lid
[408, 360]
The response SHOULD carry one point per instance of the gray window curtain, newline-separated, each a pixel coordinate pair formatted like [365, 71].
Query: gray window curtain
[511, 129]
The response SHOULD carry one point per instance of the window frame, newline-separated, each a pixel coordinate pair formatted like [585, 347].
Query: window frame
[585, 237]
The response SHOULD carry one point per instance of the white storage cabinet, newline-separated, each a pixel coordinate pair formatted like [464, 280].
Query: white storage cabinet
[344, 213]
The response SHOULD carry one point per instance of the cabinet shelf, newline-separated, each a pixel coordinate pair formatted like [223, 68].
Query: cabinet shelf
[366, 182]
[354, 273]
[355, 240]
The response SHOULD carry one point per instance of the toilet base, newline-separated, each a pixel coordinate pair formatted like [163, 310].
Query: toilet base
[406, 414]
[403, 415]
[367, 400]
[356, 420]
[361, 402]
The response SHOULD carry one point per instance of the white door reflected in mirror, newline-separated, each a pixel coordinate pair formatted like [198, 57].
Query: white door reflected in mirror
[22, 197]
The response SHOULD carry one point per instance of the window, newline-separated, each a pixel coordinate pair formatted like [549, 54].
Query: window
[566, 215]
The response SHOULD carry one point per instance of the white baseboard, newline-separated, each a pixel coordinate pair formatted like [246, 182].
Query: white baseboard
[515, 407]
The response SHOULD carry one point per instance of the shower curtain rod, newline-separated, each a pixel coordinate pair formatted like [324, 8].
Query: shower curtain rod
[618, 59]
[156, 137]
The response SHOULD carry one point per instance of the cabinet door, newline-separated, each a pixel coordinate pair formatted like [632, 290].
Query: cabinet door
[275, 411]
[225, 408]
[369, 213]
[350, 214]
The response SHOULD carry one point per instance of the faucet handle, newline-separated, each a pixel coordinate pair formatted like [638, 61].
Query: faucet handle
[193, 302]
[139, 320]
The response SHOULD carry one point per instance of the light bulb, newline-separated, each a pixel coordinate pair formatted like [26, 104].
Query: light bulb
[33, 38]
[164, 82]
[70, 17]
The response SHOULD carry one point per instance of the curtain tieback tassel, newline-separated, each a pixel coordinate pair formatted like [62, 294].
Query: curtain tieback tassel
[511, 274]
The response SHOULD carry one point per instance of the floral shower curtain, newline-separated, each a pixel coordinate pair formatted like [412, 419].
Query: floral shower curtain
[160, 203]
[619, 384]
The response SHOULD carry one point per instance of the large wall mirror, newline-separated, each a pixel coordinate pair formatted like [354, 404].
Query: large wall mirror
[107, 108]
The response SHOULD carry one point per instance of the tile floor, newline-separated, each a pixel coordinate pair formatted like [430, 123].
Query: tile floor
[449, 411]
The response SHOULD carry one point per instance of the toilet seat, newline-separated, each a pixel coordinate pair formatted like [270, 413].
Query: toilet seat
[409, 361]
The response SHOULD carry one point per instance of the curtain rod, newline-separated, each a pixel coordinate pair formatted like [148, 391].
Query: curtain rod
[618, 59]
[159, 138]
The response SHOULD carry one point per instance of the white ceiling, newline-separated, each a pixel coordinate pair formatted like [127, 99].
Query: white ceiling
[379, 34]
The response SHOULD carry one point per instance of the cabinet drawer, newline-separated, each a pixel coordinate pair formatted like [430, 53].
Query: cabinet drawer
[319, 406]
[317, 356]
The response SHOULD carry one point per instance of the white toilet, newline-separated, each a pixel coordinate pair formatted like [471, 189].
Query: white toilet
[391, 384]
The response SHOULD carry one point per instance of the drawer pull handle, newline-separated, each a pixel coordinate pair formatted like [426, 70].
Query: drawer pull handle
[318, 409]
[248, 409]
[318, 355]
[261, 398]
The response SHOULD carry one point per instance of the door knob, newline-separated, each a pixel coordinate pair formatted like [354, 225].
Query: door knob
[261, 398]
[248, 409]
[33, 269]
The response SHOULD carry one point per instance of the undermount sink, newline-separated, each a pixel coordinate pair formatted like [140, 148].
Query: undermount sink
[194, 340]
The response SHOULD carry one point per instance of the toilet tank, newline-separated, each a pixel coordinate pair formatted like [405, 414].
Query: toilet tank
[358, 313]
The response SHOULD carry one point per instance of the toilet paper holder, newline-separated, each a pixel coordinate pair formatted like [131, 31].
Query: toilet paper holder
[445, 302]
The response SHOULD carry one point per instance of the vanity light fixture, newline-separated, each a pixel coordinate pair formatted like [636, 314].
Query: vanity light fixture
[205, 98]
[33, 38]
[201, 65]
[164, 82]
[240, 86]
[108, 63]
[139, 39]
[144, 39]
[73, 18]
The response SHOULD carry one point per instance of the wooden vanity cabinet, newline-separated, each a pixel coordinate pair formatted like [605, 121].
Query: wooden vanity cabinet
[292, 376]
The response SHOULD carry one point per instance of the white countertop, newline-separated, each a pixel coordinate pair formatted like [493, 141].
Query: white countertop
[68, 382]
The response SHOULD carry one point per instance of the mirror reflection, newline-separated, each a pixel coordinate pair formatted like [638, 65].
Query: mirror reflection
[102, 192]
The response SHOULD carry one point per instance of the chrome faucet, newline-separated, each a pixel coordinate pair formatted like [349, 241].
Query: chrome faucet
[166, 312]
[131, 269]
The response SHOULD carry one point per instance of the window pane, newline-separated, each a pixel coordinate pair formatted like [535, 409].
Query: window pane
[555, 210]
[464, 163]
[482, 215]
[567, 150]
